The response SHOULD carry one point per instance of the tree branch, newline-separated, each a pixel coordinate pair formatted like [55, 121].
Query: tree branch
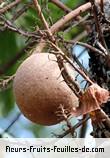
[74, 127]
[73, 14]
[9, 6]
[61, 5]
[43, 19]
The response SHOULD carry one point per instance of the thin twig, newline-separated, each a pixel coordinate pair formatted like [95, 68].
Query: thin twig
[74, 127]
[64, 113]
[57, 48]
[67, 10]
[61, 5]
[43, 19]
[102, 53]
[102, 6]
[97, 23]
[21, 11]
[67, 77]
[76, 23]
[102, 48]
[70, 16]
[73, 14]
[9, 6]
[12, 123]
[80, 36]
[8, 25]
[72, 64]
[83, 128]
[76, 59]
[5, 82]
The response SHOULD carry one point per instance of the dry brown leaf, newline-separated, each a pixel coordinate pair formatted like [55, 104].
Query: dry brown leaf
[91, 100]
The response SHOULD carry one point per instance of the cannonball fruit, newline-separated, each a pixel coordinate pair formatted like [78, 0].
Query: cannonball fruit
[40, 89]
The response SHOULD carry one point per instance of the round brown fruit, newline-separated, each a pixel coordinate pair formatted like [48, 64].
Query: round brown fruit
[40, 89]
